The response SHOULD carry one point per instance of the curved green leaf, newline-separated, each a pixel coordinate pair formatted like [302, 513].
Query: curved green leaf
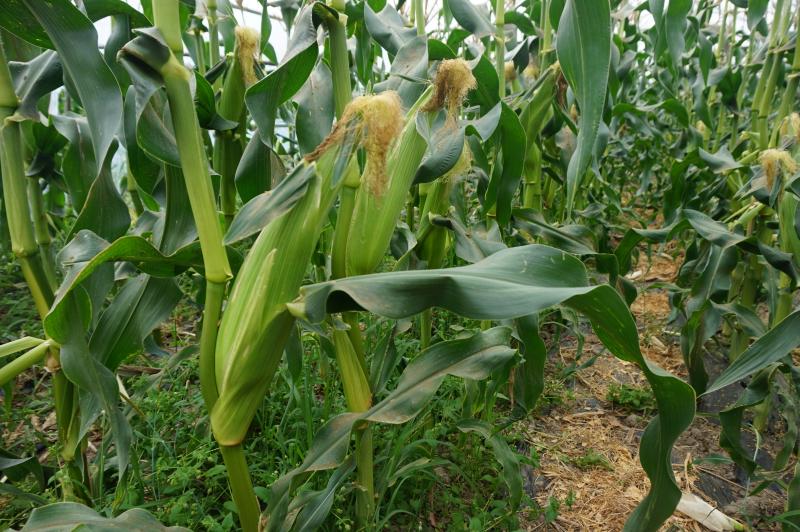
[770, 348]
[472, 18]
[264, 208]
[74, 516]
[518, 282]
[264, 97]
[34, 79]
[75, 40]
[314, 108]
[388, 28]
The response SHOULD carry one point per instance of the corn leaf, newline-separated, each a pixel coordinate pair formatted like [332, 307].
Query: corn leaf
[471, 17]
[74, 37]
[314, 108]
[518, 282]
[264, 97]
[584, 51]
[770, 348]
[474, 357]
[388, 28]
[74, 516]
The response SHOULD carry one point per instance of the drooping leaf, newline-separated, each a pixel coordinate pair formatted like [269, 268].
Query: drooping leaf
[471, 17]
[314, 108]
[388, 28]
[143, 303]
[518, 282]
[504, 184]
[75, 40]
[264, 97]
[104, 210]
[265, 207]
[408, 72]
[674, 26]
[33, 80]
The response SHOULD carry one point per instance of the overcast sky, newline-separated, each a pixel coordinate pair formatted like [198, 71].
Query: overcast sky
[278, 38]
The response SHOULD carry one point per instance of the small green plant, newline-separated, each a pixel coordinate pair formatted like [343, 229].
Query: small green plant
[631, 397]
[556, 393]
[592, 459]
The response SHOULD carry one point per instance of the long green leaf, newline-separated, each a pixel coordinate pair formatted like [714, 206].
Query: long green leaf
[584, 50]
[74, 516]
[518, 282]
[770, 348]
[75, 40]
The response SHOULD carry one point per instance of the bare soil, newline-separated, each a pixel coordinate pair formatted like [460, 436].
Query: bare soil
[587, 424]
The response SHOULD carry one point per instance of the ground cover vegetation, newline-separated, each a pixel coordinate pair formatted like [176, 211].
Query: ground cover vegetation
[339, 287]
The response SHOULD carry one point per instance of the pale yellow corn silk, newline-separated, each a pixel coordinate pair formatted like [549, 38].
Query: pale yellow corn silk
[510, 71]
[462, 166]
[794, 121]
[531, 72]
[377, 121]
[772, 161]
[248, 41]
[453, 81]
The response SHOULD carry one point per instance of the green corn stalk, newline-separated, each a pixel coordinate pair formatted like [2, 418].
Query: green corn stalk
[792, 84]
[765, 89]
[213, 32]
[201, 197]
[433, 241]
[199, 187]
[418, 15]
[229, 146]
[500, 44]
[349, 346]
[42, 233]
[27, 252]
[342, 94]
[371, 226]
[358, 395]
[546, 49]
[196, 31]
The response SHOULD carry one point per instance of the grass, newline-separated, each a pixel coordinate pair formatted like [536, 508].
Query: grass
[429, 478]
[17, 313]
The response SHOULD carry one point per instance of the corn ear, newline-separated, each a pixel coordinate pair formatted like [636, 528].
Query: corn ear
[357, 392]
[256, 324]
[787, 211]
[375, 213]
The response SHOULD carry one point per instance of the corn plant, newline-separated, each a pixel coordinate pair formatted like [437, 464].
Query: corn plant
[395, 165]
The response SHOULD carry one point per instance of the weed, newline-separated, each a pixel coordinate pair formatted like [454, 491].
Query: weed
[631, 398]
[592, 459]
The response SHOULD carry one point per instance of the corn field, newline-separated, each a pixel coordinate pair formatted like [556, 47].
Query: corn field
[298, 265]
